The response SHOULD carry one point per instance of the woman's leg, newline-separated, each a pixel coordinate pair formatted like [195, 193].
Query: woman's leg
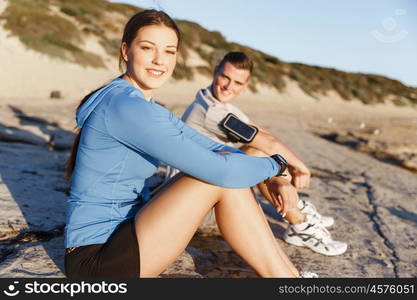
[252, 238]
[277, 246]
[165, 226]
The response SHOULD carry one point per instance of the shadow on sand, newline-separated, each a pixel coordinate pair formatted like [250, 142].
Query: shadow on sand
[32, 169]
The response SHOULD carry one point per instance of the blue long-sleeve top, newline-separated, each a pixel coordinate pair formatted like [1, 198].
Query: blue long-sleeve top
[124, 136]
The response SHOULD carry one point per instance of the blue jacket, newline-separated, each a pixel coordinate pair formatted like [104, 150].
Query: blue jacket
[123, 138]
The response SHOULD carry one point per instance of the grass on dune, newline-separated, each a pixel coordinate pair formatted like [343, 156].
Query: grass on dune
[40, 28]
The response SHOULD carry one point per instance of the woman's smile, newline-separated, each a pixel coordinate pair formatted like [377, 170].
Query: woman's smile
[154, 73]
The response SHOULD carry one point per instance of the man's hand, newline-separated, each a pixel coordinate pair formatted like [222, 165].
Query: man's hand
[300, 175]
[266, 144]
[283, 195]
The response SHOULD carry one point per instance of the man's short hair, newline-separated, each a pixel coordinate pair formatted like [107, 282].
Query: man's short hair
[238, 59]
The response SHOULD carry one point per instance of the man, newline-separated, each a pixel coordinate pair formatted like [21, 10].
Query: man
[307, 226]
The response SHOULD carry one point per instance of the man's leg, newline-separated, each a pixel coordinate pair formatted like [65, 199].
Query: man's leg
[304, 229]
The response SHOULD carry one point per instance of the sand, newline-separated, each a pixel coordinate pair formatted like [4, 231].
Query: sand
[372, 201]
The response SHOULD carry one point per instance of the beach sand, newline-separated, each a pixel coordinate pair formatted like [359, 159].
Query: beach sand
[372, 199]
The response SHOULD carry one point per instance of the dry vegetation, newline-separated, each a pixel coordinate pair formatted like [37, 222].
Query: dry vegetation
[40, 28]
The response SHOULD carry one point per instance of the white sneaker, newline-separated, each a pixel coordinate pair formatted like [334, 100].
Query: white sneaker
[307, 208]
[315, 236]
[307, 274]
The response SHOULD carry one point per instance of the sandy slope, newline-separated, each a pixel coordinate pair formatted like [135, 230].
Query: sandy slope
[26, 73]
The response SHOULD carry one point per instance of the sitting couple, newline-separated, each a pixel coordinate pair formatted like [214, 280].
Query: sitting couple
[211, 106]
[124, 135]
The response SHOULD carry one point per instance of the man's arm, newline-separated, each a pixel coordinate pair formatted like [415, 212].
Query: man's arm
[270, 144]
[280, 193]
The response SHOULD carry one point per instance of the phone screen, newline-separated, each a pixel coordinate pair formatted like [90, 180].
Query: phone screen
[240, 127]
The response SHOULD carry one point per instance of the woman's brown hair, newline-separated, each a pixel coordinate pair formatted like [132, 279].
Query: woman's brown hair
[135, 23]
[142, 19]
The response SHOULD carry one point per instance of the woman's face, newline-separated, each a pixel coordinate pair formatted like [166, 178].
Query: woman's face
[151, 57]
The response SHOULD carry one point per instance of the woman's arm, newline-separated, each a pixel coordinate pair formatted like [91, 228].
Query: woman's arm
[199, 138]
[270, 144]
[149, 128]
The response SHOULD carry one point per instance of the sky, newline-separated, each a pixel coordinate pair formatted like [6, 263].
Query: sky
[367, 36]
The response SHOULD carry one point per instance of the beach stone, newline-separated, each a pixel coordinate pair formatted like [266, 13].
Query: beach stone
[411, 162]
[34, 260]
[62, 139]
[16, 135]
[55, 94]
[183, 266]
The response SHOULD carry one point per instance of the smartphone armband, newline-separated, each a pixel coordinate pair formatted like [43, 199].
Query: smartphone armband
[237, 130]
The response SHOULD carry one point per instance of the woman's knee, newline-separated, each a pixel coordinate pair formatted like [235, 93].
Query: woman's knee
[190, 183]
[201, 185]
[236, 195]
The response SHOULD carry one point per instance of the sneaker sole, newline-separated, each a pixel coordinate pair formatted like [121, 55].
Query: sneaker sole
[299, 243]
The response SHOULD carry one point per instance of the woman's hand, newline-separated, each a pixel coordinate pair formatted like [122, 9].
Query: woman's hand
[283, 195]
[300, 175]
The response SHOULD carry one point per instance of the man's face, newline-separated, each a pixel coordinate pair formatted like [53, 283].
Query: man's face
[229, 81]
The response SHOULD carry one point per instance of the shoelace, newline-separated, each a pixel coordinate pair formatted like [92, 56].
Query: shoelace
[322, 233]
[308, 207]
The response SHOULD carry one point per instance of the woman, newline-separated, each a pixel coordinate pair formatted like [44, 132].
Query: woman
[124, 134]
